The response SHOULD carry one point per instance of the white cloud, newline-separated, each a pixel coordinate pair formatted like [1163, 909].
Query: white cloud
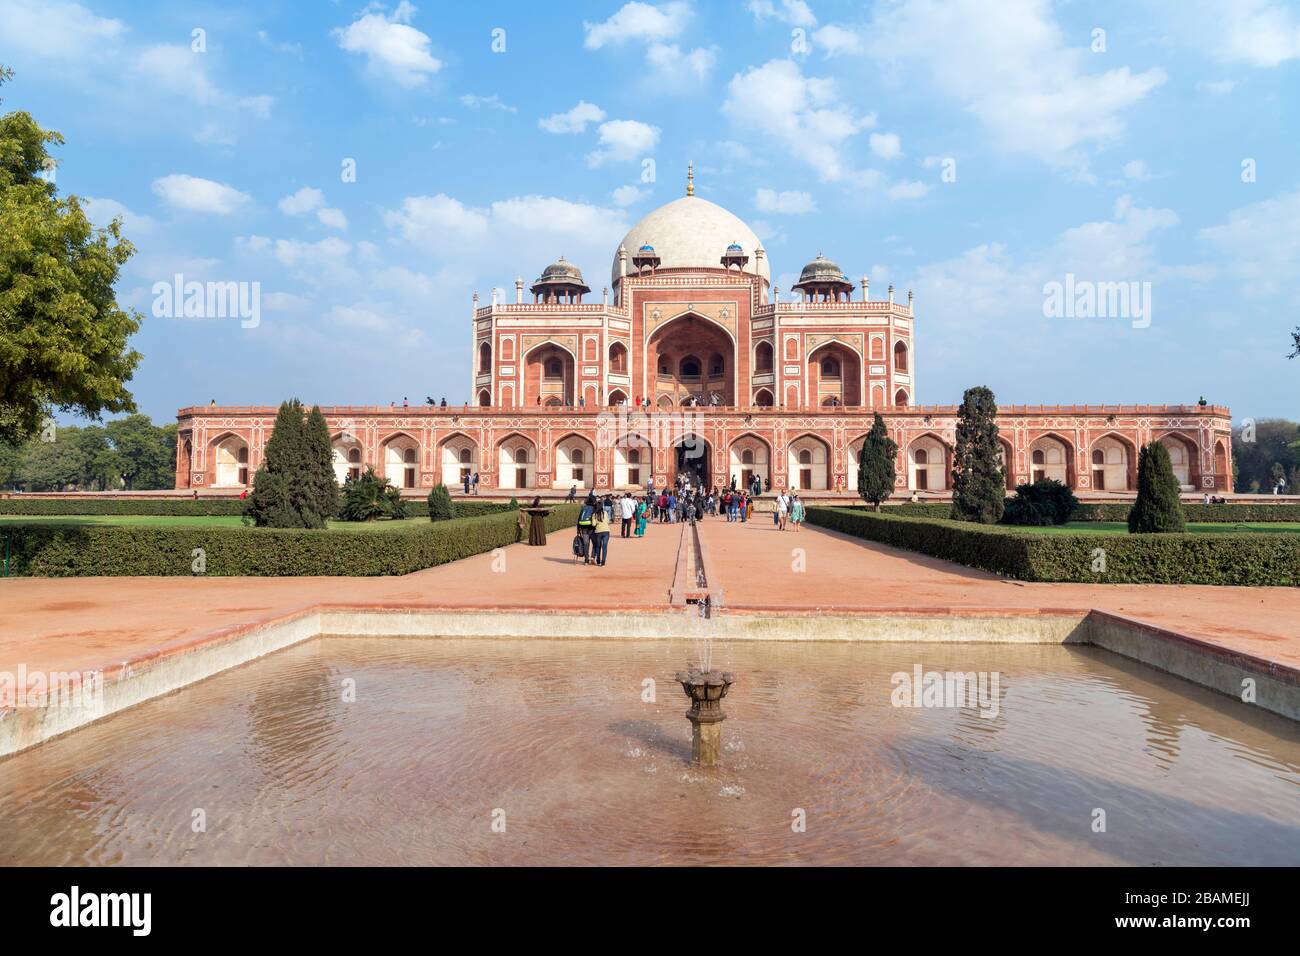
[56, 30]
[627, 195]
[536, 230]
[333, 218]
[794, 12]
[1010, 66]
[790, 202]
[1261, 245]
[193, 194]
[437, 221]
[1217, 87]
[492, 102]
[622, 140]
[911, 189]
[836, 40]
[575, 120]
[803, 113]
[393, 49]
[101, 212]
[886, 145]
[678, 69]
[1260, 33]
[1136, 170]
[305, 200]
[639, 21]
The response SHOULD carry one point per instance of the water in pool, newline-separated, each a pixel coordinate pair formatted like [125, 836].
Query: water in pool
[548, 752]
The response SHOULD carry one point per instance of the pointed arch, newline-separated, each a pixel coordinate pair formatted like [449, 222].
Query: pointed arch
[808, 463]
[517, 458]
[1045, 463]
[458, 458]
[749, 456]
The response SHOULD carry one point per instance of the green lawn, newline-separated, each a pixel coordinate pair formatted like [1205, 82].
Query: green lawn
[188, 521]
[1119, 527]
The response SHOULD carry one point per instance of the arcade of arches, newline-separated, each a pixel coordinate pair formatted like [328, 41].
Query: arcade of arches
[691, 361]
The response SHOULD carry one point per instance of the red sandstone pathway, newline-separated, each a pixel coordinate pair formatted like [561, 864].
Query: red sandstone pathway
[753, 563]
[87, 623]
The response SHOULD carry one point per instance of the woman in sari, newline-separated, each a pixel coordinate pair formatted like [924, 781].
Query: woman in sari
[642, 513]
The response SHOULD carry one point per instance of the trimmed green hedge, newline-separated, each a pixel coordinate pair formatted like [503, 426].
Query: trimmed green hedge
[192, 507]
[70, 507]
[106, 550]
[1235, 559]
[1210, 514]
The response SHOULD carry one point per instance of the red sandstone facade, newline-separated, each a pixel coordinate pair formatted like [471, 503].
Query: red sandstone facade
[694, 363]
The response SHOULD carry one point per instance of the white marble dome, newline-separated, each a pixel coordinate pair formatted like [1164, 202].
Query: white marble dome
[692, 232]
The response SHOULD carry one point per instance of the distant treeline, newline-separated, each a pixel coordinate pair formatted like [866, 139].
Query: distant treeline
[129, 453]
[1273, 454]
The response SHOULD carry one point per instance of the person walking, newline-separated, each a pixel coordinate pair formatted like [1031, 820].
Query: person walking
[600, 536]
[642, 513]
[573, 494]
[627, 510]
[465, 480]
[474, 482]
[586, 526]
[782, 510]
[796, 513]
[672, 508]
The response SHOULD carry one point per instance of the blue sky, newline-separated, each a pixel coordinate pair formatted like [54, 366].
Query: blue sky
[483, 155]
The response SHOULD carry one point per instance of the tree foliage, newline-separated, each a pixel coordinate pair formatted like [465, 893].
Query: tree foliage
[63, 336]
[131, 452]
[1259, 445]
[289, 489]
[1158, 508]
[441, 507]
[1046, 501]
[876, 471]
[978, 480]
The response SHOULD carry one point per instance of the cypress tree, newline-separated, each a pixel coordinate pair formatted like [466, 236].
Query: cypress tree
[1158, 508]
[285, 495]
[319, 467]
[978, 480]
[876, 471]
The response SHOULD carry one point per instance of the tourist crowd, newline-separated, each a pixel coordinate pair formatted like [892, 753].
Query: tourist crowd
[683, 502]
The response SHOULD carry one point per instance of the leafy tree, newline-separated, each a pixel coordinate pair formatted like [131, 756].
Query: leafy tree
[1046, 501]
[1158, 508]
[1295, 343]
[285, 494]
[370, 497]
[63, 336]
[146, 458]
[1257, 445]
[441, 507]
[978, 481]
[876, 472]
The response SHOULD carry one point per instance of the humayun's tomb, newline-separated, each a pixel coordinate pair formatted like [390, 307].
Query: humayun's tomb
[690, 361]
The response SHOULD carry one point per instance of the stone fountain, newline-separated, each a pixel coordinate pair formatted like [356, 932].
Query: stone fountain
[705, 688]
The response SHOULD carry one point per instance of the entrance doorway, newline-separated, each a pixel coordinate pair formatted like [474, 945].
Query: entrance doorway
[692, 456]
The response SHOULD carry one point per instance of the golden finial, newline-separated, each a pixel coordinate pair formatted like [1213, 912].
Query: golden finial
[690, 178]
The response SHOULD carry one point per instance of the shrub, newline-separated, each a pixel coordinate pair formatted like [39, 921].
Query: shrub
[1157, 509]
[370, 497]
[441, 507]
[106, 550]
[1224, 559]
[1046, 501]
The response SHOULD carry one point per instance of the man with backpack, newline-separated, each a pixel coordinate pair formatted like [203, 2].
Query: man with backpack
[586, 526]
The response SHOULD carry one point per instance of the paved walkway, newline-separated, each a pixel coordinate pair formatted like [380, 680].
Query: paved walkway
[85, 623]
[754, 564]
